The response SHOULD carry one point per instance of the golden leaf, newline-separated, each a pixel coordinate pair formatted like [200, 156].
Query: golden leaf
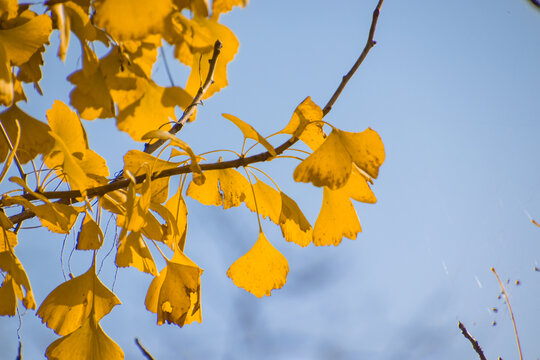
[91, 96]
[68, 127]
[330, 165]
[138, 17]
[6, 79]
[22, 41]
[200, 64]
[8, 239]
[138, 163]
[19, 281]
[223, 6]
[366, 150]
[68, 306]
[35, 138]
[175, 294]
[8, 9]
[134, 252]
[336, 219]
[76, 177]
[178, 209]
[262, 269]
[234, 186]
[9, 292]
[268, 201]
[304, 114]
[294, 225]
[357, 188]
[87, 342]
[154, 110]
[30, 71]
[208, 193]
[250, 133]
[90, 236]
[144, 53]
[81, 25]
[64, 27]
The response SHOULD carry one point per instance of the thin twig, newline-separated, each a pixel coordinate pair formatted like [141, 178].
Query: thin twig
[67, 197]
[511, 312]
[188, 112]
[143, 350]
[369, 44]
[472, 340]
[12, 148]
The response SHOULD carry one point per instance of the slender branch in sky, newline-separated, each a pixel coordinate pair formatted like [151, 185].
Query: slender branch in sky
[472, 340]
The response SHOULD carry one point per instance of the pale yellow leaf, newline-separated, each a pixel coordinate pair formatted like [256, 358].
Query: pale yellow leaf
[262, 269]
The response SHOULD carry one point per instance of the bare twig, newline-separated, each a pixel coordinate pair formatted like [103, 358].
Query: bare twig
[67, 197]
[472, 340]
[12, 148]
[369, 44]
[188, 112]
[143, 350]
[511, 312]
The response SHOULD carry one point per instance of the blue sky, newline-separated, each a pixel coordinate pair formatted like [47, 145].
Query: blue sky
[453, 89]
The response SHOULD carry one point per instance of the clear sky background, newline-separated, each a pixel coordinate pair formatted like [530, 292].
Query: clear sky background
[453, 88]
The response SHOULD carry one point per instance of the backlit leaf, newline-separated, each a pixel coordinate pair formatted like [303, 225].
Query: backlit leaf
[70, 305]
[366, 150]
[250, 133]
[175, 294]
[262, 269]
[178, 209]
[35, 138]
[6, 79]
[9, 293]
[90, 236]
[336, 219]
[87, 342]
[138, 17]
[20, 285]
[268, 201]
[234, 186]
[223, 6]
[294, 225]
[208, 193]
[134, 252]
[304, 113]
[22, 41]
[330, 165]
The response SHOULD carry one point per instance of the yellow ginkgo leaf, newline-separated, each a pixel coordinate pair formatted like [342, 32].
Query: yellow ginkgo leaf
[80, 24]
[87, 342]
[250, 133]
[154, 110]
[21, 284]
[330, 165]
[366, 150]
[138, 162]
[35, 138]
[223, 6]
[90, 236]
[207, 193]
[67, 126]
[91, 96]
[268, 201]
[357, 188]
[8, 9]
[336, 219]
[143, 53]
[22, 41]
[30, 71]
[138, 17]
[234, 186]
[94, 166]
[70, 305]
[64, 27]
[7, 92]
[8, 240]
[56, 217]
[262, 269]
[177, 226]
[201, 57]
[134, 252]
[175, 294]
[304, 114]
[198, 175]
[76, 177]
[294, 225]
[9, 293]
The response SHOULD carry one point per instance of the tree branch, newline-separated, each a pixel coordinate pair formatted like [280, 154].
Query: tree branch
[120, 183]
[143, 350]
[369, 44]
[188, 112]
[473, 342]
